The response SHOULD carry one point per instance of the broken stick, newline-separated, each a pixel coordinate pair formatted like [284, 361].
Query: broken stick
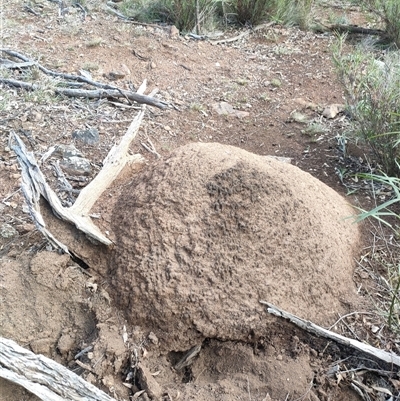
[44, 377]
[388, 357]
[104, 90]
[34, 184]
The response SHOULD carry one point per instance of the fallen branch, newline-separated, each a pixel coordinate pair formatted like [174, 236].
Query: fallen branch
[44, 377]
[354, 29]
[385, 356]
[243, 34]
[107, 90]
[90, 94]
[34, 185]
[4, 63]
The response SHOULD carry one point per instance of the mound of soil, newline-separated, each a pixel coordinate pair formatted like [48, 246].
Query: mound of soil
[205, 234]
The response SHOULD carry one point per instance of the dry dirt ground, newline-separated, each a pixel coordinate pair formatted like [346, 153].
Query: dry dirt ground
[278, 82]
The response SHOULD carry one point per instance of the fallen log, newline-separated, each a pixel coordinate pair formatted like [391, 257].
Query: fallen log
[44, 377]
[388, 357]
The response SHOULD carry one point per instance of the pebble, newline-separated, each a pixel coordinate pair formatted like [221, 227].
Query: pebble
[41, 346]
[153, 338]
[76, 166]
[8, 231]
[89, 136]
[25, 228]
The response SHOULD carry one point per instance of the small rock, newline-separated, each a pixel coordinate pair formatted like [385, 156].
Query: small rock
[148, 383]
[126, 69]
[89, 136]
[66, 151]
[41, 346]
[305, 103]
[224, 108]
[299, 117]
[76, 166]
[114, 75]
[25, 228]
[173, 32]
[332, 110]
[108, 381]
[65, 344]
[8, 231]
[153, 338]
[241, 114]
[35, 116]
[153, 65]
[279, 358]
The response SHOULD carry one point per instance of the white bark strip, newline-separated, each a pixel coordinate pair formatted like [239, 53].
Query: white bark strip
[43, 377]
[385, 356]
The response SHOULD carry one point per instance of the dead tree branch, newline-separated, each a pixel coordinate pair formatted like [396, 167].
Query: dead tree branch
[44, 377]
[384, 356]
[243, 34]
[106, 90]
[34, 185]
[90, 94]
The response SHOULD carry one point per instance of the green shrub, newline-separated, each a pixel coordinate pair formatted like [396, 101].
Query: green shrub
[254, 12]
[293, 12]
[140, 10]
[372, 89]
[390, 304]
[251, 12]
[188, 15]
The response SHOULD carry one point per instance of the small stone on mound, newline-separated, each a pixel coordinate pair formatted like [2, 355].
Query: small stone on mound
[205, 234]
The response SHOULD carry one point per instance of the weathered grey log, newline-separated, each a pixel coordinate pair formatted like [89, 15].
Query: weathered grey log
[388, 357]
[44, 377]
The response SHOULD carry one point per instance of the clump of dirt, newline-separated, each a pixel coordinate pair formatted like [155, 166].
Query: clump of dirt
[205, 234]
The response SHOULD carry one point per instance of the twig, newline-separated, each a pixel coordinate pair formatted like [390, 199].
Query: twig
[14, 66]
[10, 196]
[83, 10]
[243, 34]
[248, 388]
[151, 148]
[385, 356]
[19, 84]
[31, 10]
[349, 314]
[354, 29]
[83, 352]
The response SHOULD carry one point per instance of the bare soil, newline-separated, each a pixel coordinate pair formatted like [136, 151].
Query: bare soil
[196, 210]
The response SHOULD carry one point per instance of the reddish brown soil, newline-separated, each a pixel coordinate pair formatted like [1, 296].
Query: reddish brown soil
[52, 306]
